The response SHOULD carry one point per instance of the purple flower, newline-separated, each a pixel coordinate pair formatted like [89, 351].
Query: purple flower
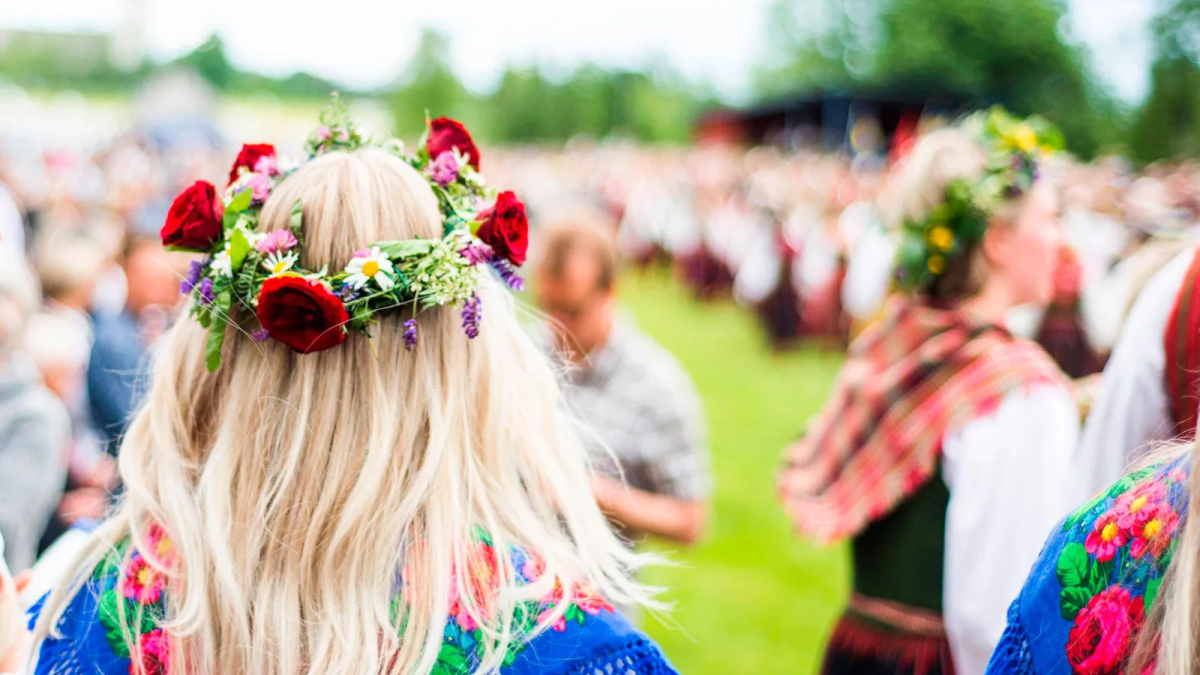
[471, 314]
[509, 275]
[193, 277]
[260, 336]
[279, 240]
[477, 253]
[349, 293]
[206, 291]
[445, 168]
[410, 334]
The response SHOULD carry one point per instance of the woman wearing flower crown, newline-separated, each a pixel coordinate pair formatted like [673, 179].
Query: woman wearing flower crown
[353, 460]
[941, 450]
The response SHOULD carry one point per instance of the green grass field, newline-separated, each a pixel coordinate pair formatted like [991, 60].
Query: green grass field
[752, 597]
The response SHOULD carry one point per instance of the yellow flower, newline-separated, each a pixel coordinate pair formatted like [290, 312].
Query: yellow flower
[1025, 138]
[941, 238]
[936, 264]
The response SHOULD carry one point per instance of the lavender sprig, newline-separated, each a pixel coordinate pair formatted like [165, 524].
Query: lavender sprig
[509, 275]
[471, 313]
[410, 334]
[193, 277]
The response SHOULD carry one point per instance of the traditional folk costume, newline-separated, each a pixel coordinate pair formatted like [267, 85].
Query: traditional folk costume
[940, 454]
[589, 637]
[1088, 595]
[1148, 393]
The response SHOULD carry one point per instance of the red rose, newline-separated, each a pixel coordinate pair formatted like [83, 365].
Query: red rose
[1105, 632]
[249, 156]
[194, 220]
[446, 134]
[302, 314]
[506, 229]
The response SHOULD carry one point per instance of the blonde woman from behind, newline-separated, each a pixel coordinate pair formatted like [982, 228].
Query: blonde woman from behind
[363, 509]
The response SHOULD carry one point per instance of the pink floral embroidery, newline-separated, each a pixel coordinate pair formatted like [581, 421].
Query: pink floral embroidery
[590, 602]
[1103, 634]
[1154, 532]
[1132, 508]
[142, 582]
[1106, 537]
[155, 651]
[483, 571]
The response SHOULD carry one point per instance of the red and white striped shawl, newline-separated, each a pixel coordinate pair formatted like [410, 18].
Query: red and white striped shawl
[917, 375]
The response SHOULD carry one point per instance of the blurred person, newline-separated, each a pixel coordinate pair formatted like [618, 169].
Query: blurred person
[942, 450]
[123, 340]
[60, 351]
[643, 417]
[12, 223]
[384, 500]
[1149, 389]
[1061, 331]
[34, 425]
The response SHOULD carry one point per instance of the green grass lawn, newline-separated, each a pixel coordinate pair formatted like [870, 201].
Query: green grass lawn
[752, 597]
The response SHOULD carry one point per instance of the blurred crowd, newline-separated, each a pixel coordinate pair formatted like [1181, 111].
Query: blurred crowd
[801, 238]
[804, 239]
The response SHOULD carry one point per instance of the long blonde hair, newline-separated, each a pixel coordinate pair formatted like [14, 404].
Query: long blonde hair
[1169, 638]
[299, 490]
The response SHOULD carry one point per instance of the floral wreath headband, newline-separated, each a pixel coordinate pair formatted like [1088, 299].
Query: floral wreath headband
[311, 311]
[1014, 149]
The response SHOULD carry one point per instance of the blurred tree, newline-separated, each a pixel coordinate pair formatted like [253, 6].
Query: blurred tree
[209, 61]
[1168, 123]
[1011, 53]
[817, 44]
[430, 85]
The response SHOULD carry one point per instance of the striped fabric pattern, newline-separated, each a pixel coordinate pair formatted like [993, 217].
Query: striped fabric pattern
[919, 374]
[1181, 344]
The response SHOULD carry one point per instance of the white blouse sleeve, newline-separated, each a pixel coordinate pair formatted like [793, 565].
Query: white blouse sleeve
[1132, 408]
[1005, 472]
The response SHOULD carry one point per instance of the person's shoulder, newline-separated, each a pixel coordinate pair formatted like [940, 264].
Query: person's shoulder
[656, 366]
[1100, 572]
[573, 629]
[88, 635]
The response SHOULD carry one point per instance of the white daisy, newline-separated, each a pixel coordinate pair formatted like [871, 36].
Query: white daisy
[370, 265]
[278, 263]
[222, 264]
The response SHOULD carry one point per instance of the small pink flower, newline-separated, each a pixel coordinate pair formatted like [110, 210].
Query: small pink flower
[1106, 537]
[323, 134]
[1154, 532]
[162, 549]
[362, 253]
[445, 168]
[267, 165]
[274, 242]
[1176, 475]
[587, 600]
[1133, 506]
[261, 184]
[155, 649]
[142, 582]
[560, 624]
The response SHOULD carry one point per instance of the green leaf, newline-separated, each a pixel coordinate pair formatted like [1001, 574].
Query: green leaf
[405, 249]
[240, 201]
[1082, 511]
[1100, 575]
[1152, 592]
[216, 334]
[297, 217]
[452, 660]
[1073, 565]
[1073, 599]
[230, 219]
[239, 248]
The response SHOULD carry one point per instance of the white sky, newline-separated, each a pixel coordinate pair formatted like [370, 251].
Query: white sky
[367, 42]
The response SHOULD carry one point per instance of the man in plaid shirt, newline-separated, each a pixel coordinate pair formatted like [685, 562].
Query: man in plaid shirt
[634, 398]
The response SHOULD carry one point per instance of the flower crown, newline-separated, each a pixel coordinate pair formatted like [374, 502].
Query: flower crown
[310, 311]
[1014, 149]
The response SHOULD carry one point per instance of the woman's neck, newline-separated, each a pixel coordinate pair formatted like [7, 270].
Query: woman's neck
[992, 304]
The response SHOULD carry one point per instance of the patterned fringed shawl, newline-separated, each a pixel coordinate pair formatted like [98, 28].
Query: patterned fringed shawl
[920, 373]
